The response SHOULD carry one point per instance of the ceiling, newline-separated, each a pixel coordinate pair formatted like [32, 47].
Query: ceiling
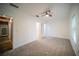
[60, 11]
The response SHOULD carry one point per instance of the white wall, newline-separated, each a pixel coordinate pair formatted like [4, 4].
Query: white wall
[58, 29]
[58, 26]
[24, 30]
[38, 30]
[75, 12]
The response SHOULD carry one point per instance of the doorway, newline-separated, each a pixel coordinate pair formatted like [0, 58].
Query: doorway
[41, 30]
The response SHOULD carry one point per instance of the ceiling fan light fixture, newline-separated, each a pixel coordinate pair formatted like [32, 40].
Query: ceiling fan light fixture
[47, 15]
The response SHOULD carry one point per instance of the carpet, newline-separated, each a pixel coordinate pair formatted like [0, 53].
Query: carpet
[44, 47]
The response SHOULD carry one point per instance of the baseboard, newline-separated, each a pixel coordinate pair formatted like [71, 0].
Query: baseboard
[49, 37]
[23, 44]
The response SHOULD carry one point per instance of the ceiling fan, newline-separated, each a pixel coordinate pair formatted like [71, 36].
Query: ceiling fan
[47, 13]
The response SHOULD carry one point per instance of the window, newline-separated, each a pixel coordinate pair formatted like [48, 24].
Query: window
[74, 20]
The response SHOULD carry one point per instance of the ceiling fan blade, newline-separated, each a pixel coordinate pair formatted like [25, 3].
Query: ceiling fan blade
[50, 15]
[14, 5]
[37, 15]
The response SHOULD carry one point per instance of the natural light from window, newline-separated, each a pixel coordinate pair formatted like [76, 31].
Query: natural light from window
[74, 19]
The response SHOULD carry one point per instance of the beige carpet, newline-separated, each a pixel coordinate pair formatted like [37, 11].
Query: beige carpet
[44, 47]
